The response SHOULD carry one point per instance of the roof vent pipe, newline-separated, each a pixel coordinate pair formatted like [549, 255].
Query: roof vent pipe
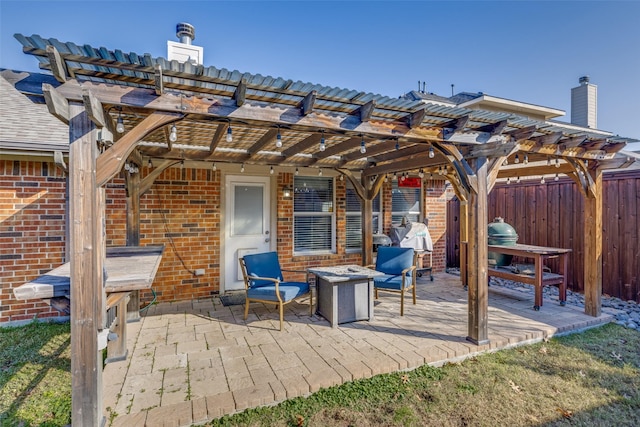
[185, 32]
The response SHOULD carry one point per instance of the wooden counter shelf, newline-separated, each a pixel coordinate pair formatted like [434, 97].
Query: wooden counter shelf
[128, 268]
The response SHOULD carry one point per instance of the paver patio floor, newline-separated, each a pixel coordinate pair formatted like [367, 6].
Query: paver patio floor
[190, 362]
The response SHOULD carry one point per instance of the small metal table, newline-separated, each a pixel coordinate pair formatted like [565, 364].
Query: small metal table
[344, 293]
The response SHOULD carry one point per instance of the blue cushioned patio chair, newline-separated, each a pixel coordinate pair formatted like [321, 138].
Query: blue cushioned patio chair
[264, 282]
[399, 268]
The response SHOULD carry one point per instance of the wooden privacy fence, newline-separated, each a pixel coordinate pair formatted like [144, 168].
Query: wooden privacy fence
[551, 215]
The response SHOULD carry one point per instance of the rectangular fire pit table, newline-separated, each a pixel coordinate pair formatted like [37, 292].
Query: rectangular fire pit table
[344, 293]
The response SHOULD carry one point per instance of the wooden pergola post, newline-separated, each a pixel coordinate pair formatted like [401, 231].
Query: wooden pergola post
[86, 218]
[367, 190]
[367, 231]
[593, 246]
[464, 241]
[132, 182]
[477, 256]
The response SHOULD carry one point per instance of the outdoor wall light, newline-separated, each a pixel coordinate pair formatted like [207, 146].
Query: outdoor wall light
[229, 134]
[271, 171]
[120, 124]
[242, 168]
[542, 180]
[131, 168]
[421, 173]
[319, 172]
[397, 144]
[432, 153]
[517, 159]
[557, 162]
[297, 172]
[214, 167]
[278, 139]
[322, 144]
[363, 149]
[526, 159]
[556, 178]
[286, 191]
[173, 135]
[508, 180]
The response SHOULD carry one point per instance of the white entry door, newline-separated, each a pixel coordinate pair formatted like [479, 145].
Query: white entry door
[246, 226]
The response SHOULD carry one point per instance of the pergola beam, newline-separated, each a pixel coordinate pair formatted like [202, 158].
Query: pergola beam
[94, 109]
[305, 144]
[338, 148]
[57, 104]
[58, 66]
[366, 111]
[523, 133]
[254, 114]
[493, 128]
[158, 80]
[221, 131]
[266, 139]
[415, 119]
[454, 126]
[308, 103]
[240, 94]
[549, 139]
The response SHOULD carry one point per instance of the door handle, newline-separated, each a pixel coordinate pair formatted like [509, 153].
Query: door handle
[267, 240]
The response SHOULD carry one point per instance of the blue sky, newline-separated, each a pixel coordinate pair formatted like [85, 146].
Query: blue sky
[530, 51]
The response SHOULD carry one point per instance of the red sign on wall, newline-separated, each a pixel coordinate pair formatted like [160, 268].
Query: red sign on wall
[409, 182]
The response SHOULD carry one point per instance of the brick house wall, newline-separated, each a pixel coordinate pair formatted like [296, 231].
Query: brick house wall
[435, 207]
[182, 211]
[32, 232]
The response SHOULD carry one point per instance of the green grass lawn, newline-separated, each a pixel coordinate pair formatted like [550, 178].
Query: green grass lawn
[586, 379]
[35, 375]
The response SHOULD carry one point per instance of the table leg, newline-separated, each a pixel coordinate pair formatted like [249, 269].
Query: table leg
[564, 267]
[538, 285]
[371, 291]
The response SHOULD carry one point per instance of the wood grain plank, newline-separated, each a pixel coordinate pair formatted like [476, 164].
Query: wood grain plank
[85, 271]
[593, 248]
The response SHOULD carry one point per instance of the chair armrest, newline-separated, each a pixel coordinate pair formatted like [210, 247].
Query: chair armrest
[406, 271]
[270, 279]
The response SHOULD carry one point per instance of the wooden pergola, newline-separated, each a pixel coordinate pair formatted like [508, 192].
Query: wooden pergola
[153, 97]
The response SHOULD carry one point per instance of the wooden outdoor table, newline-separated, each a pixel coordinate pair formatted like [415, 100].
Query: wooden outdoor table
[344, 293]
[127, 268]
[540, 278]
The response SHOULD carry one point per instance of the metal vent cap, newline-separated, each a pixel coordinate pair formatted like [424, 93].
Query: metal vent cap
[185, 32]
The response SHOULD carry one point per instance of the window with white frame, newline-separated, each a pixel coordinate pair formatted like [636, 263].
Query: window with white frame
[354, 218]
[313, 215]
[406, 200]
